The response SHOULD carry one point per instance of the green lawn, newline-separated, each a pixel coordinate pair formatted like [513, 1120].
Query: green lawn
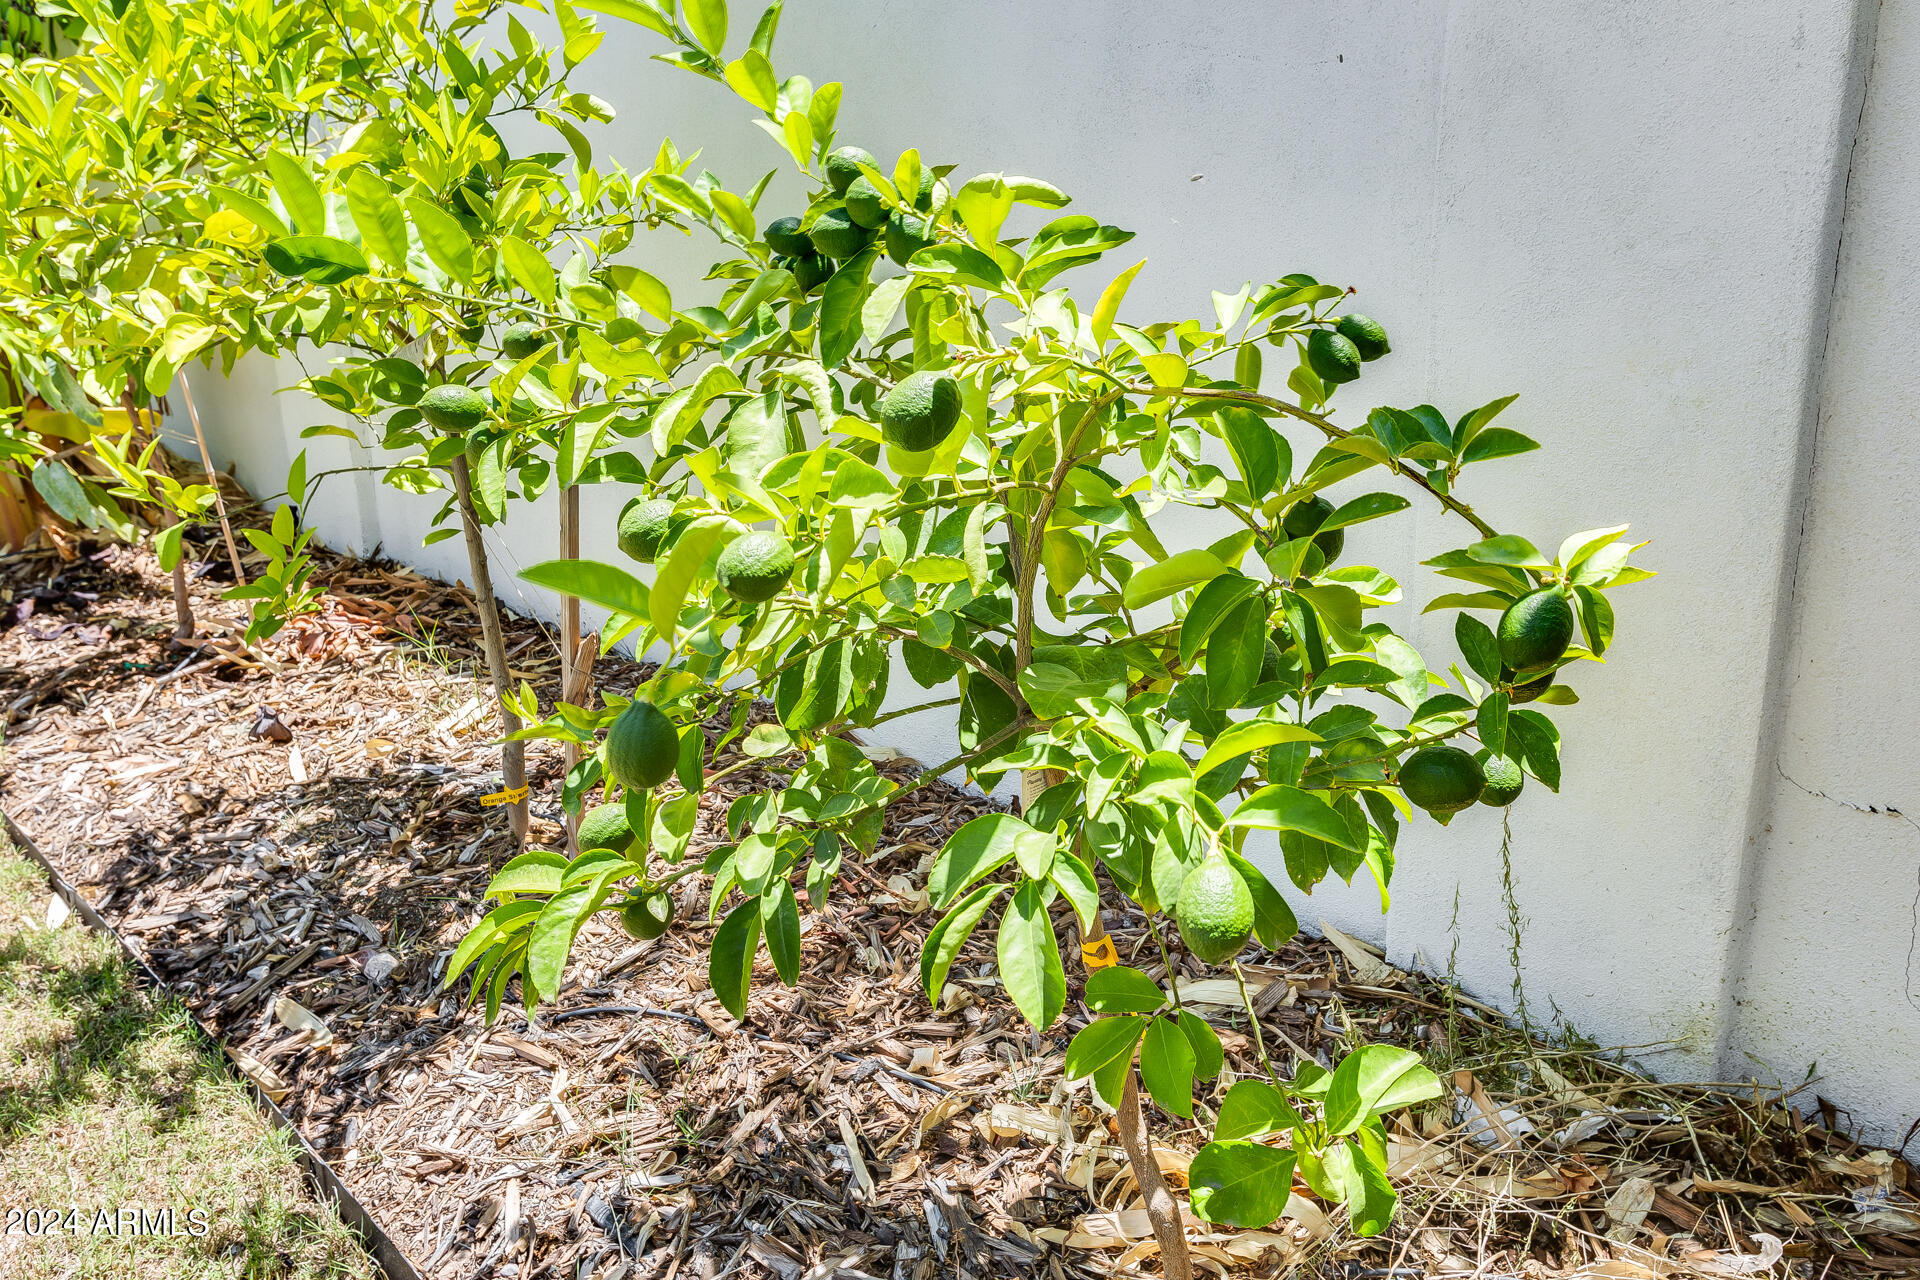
[114, 1107]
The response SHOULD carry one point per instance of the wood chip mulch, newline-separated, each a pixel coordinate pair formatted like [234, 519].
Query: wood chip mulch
[294, 841]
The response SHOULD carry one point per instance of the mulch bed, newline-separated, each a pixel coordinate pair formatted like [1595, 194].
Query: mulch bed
[294, 841]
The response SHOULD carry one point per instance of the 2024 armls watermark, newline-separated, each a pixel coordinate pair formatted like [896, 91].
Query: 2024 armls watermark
[118, 1220]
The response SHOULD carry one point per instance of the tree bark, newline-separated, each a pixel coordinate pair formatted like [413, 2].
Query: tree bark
[1162, 1209]
[184, 624]
[513, 756]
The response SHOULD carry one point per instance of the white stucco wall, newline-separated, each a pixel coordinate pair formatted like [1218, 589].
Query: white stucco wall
[1629, 214]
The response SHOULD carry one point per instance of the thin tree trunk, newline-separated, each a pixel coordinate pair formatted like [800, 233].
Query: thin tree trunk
[1163, 1211]
[513, 756]
[570, 636]
[183, 620]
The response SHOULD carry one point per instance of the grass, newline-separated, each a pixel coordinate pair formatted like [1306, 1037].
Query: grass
[114, 1108]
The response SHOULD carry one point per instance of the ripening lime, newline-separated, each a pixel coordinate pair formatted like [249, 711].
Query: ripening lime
[521, 340]
[1216, 910]
[843, 166]
[644, 525]
[642, 747]
[783, 235]
[1441, 779]
[1535, 630]
[1333, 356]
[906, 235]
[1528, 692]
[1366, 335]
[1503, 778]
[921, 411]
[647, 917]
[837, 235]
[865, 204]
[1303, 518]
[810, 269]
[607, 826]
[452, 409]
[755, 566]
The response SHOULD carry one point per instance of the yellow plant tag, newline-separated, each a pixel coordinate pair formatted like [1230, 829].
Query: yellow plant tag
[1099, 953]
[514, 796]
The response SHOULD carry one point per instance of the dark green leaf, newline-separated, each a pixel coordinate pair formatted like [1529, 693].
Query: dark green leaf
[1119, 989]
[1166, 1067]
[730, 966]
[1029, 957]
[1240, 1184]
[1100, 1042]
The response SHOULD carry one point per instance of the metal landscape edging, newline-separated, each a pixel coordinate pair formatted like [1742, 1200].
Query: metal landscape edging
[327, 1184]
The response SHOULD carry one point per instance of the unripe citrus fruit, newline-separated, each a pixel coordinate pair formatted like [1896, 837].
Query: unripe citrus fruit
[1441, 779]
[843, 166]
[1216, 910]
[811, 270]
[607, 826]
[1528, 692]
[1366, 335]
[521, 340]
[1333, 356]
[647, 917]
[783, 235]
[642, 747]
[1503, 776]
[755, 566]
[453, 409]
[1303, 518]
[1535, 630]
[921, 410]
[644, 524]
[837, 235]
[865, 204]
[906, 235]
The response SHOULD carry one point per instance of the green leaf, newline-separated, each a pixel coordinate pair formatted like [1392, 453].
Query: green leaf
[297, 192]
[1283, 808]
[1363, 1184]
[1209, 1058]
[1256, 449]
[1478, 646]
[444, 239]
[255, 211]
[166, 545]
[876, 313]
[943, 944]
[780, 917]
[730, 964]
[1472, 424]
[320, 259]
[646, 290]
[751, 76]
[840, 309]
[1239, 1183]
[63, 491]
[553, 933]
[1109, 305]
[503, 920]
[1273, 920]
[536, 871]
[1490, 722]
[383, 227]
[1119, 989]
[1101, 1042]
[1368, 506]
[1160, 579]
[1375, 1079]
[1235, 651]
[691, 549]
[1533, 740]
[1498, 442]
[980, 848]
[1253, 1109]
[606, 585]
[529, 268]
[960, 264]
[707, 20]
[1166, 1067]
[1029, 957]
[1210, 604]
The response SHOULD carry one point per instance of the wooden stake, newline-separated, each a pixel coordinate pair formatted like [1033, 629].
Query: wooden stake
[219, 503]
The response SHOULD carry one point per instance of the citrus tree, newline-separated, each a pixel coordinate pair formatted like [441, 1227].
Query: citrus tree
[960, 471]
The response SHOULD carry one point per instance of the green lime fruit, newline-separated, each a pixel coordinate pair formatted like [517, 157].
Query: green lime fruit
[811, 270]
[1366, 334]
[644, 524]
[1441, 779]
[783, 235]
[521, 340]
[1216, 910]
[606, 826]
[1519, 694]
[1333, 356]
[642, 747]
[1535, 630]
[865, 204]
[1304, 518]
[1270, 662]
[755, 566]
[921, 411]
[1503, 778]
[906, 235]
[647, 917]
[837, 235]
[843, 166]
[453, 409]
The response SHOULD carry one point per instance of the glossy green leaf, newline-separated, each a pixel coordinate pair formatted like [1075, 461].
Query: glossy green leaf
[1283, 808]
[1240, 1184]
[1029, 956]
[1119, 989]
[730, 962]
[1100, 1042]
